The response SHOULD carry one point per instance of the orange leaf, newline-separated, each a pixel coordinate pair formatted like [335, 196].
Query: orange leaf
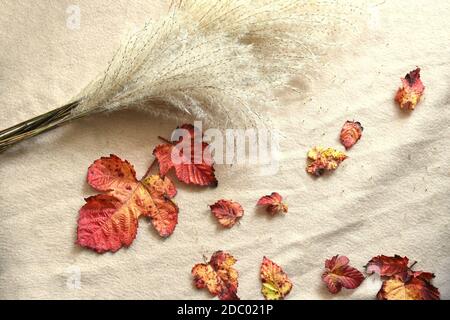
[193, 163]
[410, 94]
[409, 285]
[218, 276]
[275, 282]
[273, 203]
[387, 266]
[227, 212]
[339, 274]
[109, 221]
[350, 134]
[321, 160]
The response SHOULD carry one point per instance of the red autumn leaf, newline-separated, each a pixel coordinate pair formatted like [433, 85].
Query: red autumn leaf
[350, 134]
[324, 159]
[227, 212]
[218, 276]
[339, 274]
[387, 266]
[409, 285]
[109, 221]
[410, 94]
[275, 282]
[273, 203]
[189, 156]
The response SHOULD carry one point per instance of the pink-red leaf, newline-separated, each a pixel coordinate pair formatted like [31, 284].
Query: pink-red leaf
[350, 134]
[339, 274]
[190, 157]
[409, 95]
[273, 203]
[227, 212]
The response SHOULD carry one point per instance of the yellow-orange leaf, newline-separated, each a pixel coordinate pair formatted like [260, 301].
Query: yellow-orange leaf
[218, 276]
[409, 95]
[321, 160]
[409, 286]
[275, 282]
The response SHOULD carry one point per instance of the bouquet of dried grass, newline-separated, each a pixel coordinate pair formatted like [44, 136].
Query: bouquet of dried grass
[213, 60]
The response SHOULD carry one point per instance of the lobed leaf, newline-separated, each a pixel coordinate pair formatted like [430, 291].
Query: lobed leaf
[275, 282]
[196, 167]
[273, 203]
[339, 274]
[218, 276]
[109, 221]
[227, 212]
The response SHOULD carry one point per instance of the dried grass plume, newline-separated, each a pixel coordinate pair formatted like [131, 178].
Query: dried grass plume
[211, 60]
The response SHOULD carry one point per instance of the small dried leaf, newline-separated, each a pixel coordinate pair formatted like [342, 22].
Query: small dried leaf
[218, 276]
[322, 160]
[227, 212]
[387, 266]
[410, 94]
[339, 274]
[409, 285]
[350, 134]
[275, 282]
[273, 203]
[109, 221]
[194, 168]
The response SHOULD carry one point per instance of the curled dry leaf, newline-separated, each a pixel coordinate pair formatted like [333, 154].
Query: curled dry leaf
[227, 212]
[189, 156]
[387, 266]
[409, 95]
[339, 274]
[321, 160]
[409, 285]
[109, 221]
[218, 276]
[402, 283]
[350, 134]
[273, 203]
[275, 282]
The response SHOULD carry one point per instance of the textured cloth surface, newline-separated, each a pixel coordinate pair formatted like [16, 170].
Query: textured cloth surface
[390, 197]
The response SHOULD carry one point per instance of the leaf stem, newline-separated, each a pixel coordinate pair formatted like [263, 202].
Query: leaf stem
[150, 168]
[165, 140]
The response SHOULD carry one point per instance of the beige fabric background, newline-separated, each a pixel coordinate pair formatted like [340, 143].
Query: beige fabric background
[391, 196]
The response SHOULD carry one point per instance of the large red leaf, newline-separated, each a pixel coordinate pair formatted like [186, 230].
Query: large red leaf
[109, 221]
